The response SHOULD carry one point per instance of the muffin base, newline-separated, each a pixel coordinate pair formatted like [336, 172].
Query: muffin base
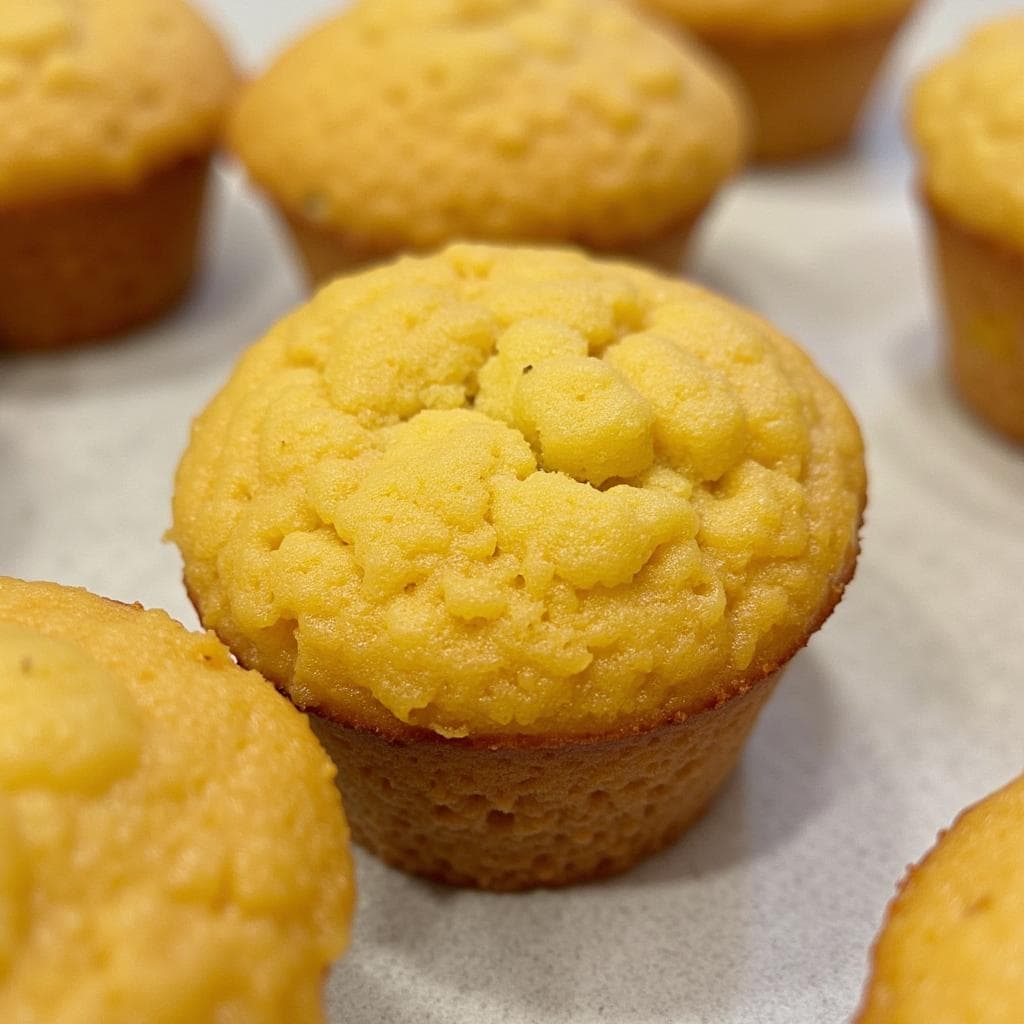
[85, 267]
[807, 92]
[326, 253]
[509, 813]
[980, 285]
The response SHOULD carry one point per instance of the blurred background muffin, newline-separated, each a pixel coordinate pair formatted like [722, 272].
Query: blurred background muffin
[172, 847]
[967, 121]
[807, 65]
[530, 535]
[109, 110]
[404, 124]
[950, 951]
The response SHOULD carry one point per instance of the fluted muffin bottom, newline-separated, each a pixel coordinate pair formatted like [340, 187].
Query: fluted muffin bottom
[807, 92]
[509, 813]
[326, 253]
[979, 282]
[85, 267]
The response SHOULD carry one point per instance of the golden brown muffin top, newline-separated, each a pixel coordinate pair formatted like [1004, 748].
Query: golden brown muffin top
[406, 123]
[967, 120]
[518, 491]
[172, 846]
[951, 949]
[758, 19]
[95, 94]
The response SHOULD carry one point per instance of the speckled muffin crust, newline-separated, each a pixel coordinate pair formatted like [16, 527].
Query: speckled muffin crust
[951, 947]
[403, 125]
[807, 65]
[104, 141]
[966, 118]
[502, 494]
[172, 848]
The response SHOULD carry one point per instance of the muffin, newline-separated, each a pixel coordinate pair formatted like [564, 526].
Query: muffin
[404, 124]
[950, 950]
[172, 846]
[967, 121]
[530, 536]
[807, 65]
[109, 110]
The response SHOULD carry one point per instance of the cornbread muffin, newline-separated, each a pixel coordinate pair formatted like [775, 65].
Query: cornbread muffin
[109, 110]
[403, 124]
[952, 948]
[172, 848]
[807, 65]
[530, 536]
[967, 121]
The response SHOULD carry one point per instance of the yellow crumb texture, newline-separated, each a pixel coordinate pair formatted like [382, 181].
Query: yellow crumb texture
[514, 491]
[952, 949]
[755, 19]
[411, 122]
[967, 120]
[172, 845]
[96, 93]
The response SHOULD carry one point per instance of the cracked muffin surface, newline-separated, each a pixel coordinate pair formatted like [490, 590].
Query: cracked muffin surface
[512, 491]
[407, 124]
[155, 863]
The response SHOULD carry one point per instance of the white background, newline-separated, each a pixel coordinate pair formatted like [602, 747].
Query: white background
[908, 705]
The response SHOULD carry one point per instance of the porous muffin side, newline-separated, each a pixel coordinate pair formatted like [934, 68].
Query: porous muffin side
[949, 950]
[405, 125]
[513, 492]
[520, 812]
[172, 847]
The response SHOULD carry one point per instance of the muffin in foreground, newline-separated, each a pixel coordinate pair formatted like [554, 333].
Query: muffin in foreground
[807, 67]
[952, 947]
[172, 845]
[967, 121]
[404, 124]
[109, 111]
[530, 535]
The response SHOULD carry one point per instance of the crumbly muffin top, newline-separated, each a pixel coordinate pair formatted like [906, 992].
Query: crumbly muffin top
[753, 19]
[951, 949]
[97, 93]
[967, 119]
[406, 123]
[172, 846]
[518, 491]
